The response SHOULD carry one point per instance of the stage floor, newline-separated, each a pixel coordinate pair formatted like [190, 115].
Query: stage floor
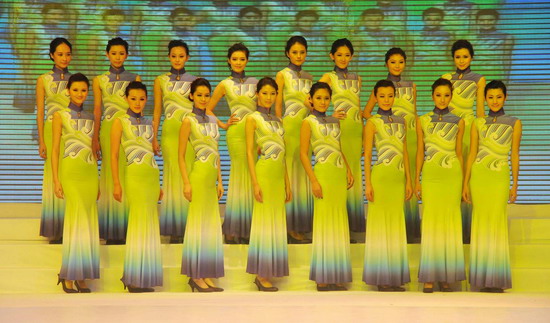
[276, 307]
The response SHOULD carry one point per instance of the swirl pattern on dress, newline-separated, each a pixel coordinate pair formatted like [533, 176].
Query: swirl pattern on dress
[269, 137]
[325, 142]
[204, 137]
[137, 142]
[440, 141]
[77, 136]
[495, 141]
[389, 142]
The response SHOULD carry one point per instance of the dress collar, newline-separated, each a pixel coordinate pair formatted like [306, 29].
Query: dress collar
[464, 71]
[496, 113]
[236, 75]
[394, 78]
[263, 110]
[383, 112]
[295, 67]
[75, 107]
[58, 70]
[441, 112]
[178, 73]
[319, 113]
[131, 113]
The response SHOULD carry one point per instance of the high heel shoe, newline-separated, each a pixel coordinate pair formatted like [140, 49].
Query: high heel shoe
[444, 287]
[337, 287]
[428, 289]
[264, 288]
[194, 286]
[214, 288]
[133, 289]
[323, 288]
[65, 288]
[82, 289]
[292, 240]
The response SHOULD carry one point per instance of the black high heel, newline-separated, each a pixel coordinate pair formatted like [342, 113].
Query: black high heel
[428, 289]
[81, 289]
[337, 287]
[263, 288]
[292, 240]
[214, 288]
[323, 288]
[65, 288]
[133, 289]
[444, 287]
[194, 286]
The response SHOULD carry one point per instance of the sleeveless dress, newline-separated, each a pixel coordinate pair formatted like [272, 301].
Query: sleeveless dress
[240, 94]
[203, 242]
[490, 189]
[462, 105]
[79, 179]
[345, 96]
[386, 260]
[142, 262]
[330, 260]
[296, 90]
[175, 87]
[441, 250]
[268, 252]
[113, 215]
[403, 106]
[56, 99]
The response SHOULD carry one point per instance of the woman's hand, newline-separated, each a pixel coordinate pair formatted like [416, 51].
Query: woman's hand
[408, 190]
[156, 147]
[187, 193]
[58, 189]
[466, 197]
[288, 194]
[317, 190]
[418, 190]
[233, 119]
[98, 195]
[161, 194]
[350, 179]
[220, 190]
[369, 192]
[96, 149]
[339, 114]
[258, 193]
[42, 150]
[117, 192]
[513, 193]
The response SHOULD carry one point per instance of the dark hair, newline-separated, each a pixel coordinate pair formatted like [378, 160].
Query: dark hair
[237, 47]
[433, 11]
[113, 12]
[178, 43]
[342, 42]
[78, 77]
[383, 83]
[495, 84]
[487, 12]
[117, 41]
[371, 12]
[320, 85]
[462, 43]
[178, 11]
[442, 82]
[293, 40]
[56, 42]
[249, 9]
[135, 85]
[306, 13]
[51, 6]
[266, 81]
[199, 82]
[395, 51]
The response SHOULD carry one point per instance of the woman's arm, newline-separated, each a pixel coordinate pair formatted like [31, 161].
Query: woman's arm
[250, 128]
[459, 139]
[96, 148]
[116, 134]
[414, 98]
[56, 142]
[185, 129]
[474, 142]
[40, 111]
[419, 158]
[220, 182]
[367, 112]
[305, 135]
[480, 100]
[408, 183]
[280, 80]
[368, 139]
[349, 174]
[288, 189]
[157, 112]
[219, 93]
[516, 141]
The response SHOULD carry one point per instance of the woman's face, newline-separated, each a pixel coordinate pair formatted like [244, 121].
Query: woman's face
[297, 54]
[266, 96]
[342, 57]
[200, 97]
[117, 55]
[178, 57]
[385, 97]
[62, 56]
[462, 58]
[136, 100]
[442, 96]
[495, 99]
[396, 64]
[320, 100]
[78, 92]
[238, 61]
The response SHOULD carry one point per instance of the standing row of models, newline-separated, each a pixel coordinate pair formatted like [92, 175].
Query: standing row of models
[271, 165]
